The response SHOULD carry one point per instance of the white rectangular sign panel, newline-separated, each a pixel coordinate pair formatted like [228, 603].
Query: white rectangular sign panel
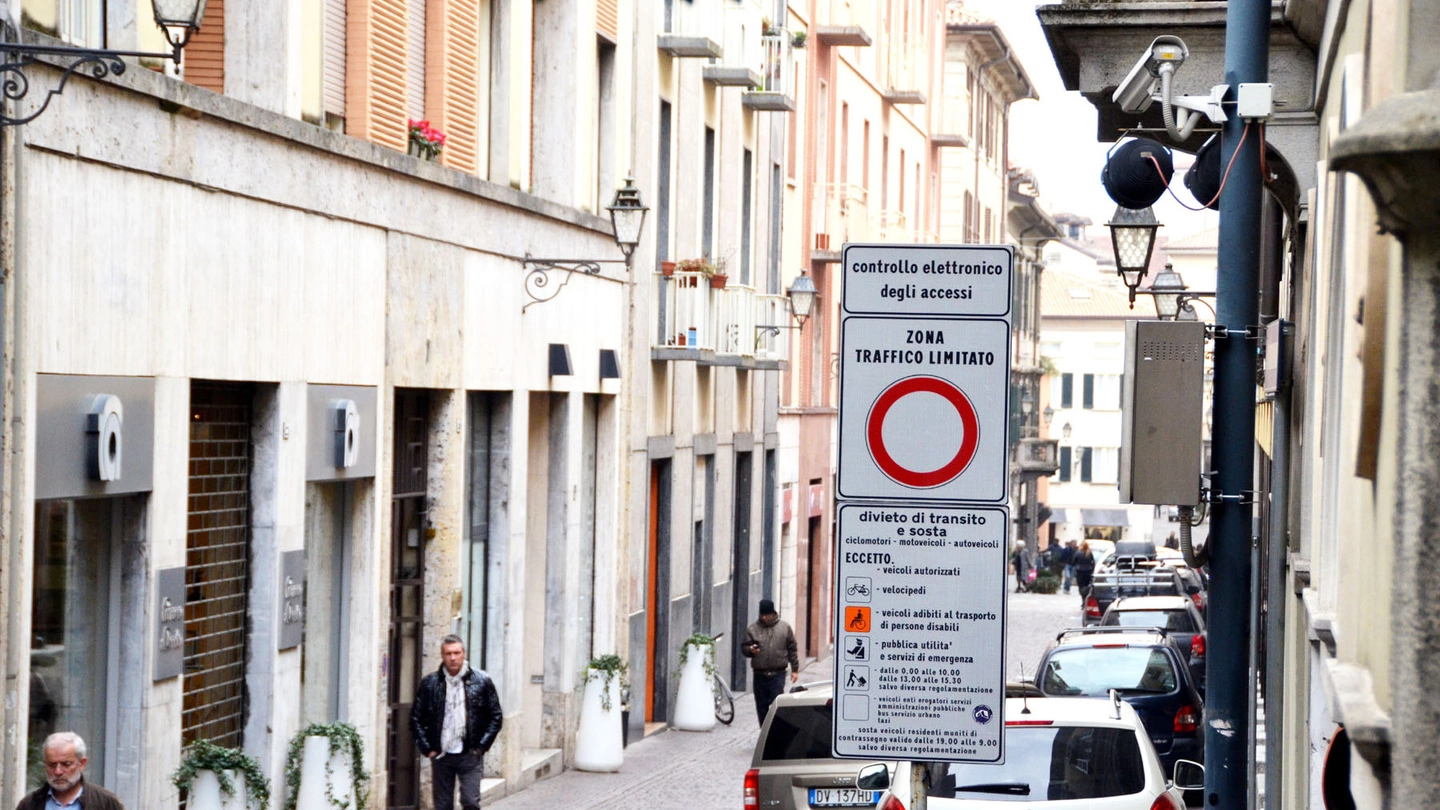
[924, 409]
[971, 281]
[925, 373]
[920, 633]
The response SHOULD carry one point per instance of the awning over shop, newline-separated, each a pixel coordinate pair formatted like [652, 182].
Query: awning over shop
[1105, 517]
[1060, 515]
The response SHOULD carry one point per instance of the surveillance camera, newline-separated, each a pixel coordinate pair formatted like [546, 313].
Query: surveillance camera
[1138, 90]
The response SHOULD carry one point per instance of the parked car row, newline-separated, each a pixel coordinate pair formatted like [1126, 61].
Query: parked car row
[1113, 719]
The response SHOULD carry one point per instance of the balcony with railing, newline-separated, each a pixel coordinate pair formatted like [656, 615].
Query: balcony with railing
[845, 22]
[842, 214]
[743, 52]
[691, 29]
[951, 122]
[776, 91]
[893, 226]
[719, 326]
[905, 73]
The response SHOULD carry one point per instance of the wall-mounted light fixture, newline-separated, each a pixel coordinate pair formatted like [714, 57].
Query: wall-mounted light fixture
[1132, 233]
[627, 219]
[1065, 431]
[178, 19]
[1049, 413]
[801, 294]
[1173, 300]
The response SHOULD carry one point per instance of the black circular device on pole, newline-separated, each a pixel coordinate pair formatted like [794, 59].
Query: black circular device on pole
[1203, 179]
[1131, 176]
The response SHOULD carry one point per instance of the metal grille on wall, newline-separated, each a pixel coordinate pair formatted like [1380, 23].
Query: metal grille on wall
[217, 563]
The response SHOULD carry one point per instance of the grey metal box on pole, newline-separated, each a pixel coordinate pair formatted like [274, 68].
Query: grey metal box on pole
[1162, 411]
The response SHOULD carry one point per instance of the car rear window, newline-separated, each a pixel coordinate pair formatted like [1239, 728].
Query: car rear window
[1050, 763]
[798, 732]
[1094, 671]
[1174, 621]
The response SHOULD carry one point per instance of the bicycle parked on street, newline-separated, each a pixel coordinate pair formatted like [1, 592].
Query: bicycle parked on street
[724, 698]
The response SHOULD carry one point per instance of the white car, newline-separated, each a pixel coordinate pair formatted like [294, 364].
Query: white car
[1060, 753]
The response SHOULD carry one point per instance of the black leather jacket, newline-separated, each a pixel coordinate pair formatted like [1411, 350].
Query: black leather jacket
[482, 711]
[93, 798]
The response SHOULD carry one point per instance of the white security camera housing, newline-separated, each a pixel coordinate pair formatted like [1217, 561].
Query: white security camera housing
[1138, 90]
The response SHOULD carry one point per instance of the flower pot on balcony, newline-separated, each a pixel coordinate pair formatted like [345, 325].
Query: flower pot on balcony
[717, 281]
[667, 269]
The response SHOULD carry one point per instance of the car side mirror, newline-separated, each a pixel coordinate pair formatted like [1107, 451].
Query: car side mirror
[1189, 775]
[873, 777]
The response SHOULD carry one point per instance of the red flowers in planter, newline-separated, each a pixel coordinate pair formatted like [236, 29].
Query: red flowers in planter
[426, 142]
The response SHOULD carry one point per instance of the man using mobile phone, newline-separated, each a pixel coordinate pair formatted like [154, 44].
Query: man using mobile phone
[770, 646]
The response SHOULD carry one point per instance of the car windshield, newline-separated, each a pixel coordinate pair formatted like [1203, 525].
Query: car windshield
[798, 732]
[1094, 671]
[1050, 763]
[1174, 621]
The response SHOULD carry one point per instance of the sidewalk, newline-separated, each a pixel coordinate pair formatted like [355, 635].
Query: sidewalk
[678, 769]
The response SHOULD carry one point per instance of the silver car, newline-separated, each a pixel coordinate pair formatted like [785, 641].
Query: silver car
[792, 768]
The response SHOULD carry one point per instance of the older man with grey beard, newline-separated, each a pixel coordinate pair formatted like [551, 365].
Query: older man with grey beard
[65, 787]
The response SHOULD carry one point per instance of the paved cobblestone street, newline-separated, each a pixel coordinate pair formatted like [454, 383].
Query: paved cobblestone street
[705, 771]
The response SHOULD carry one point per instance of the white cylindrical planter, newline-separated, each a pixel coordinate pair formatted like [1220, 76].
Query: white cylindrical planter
[313, 777]
[695, 703]
[599, 744]
[205, 793]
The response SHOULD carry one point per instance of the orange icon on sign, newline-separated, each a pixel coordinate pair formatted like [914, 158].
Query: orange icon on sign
[857, 619]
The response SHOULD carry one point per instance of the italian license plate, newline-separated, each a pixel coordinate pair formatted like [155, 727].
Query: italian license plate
[843, 797]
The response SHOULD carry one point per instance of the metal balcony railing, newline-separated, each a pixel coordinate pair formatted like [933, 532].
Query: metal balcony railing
[776, 92]
[845, 22]
[905, 73]
[893, 226]
[692, 29]
[695, 315]
[842, 215]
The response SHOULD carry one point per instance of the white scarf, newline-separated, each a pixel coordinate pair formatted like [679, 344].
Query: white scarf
[452, 731]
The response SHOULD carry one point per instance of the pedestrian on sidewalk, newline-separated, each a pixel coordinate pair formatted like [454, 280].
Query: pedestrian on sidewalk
[1067, 559]
[65, 785]
[770, 646]
[1020, 558]
[1084, 570]
[456, 719]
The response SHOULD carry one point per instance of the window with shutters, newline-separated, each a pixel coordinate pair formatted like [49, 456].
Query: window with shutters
[333, 71]
[415, 59]
[1087, 400]
[1067, 390]
[203, 60]
[1107, 392]
[1065, 463]
[1087, 464]
[1104, 465]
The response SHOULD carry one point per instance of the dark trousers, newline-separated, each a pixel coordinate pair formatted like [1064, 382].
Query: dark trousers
[444, 770]
[768, 686]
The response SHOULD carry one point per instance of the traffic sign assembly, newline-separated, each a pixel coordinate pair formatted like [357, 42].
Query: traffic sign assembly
[921, 628]
[922, 484]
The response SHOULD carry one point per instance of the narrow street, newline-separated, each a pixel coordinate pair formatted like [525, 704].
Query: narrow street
[705, 771]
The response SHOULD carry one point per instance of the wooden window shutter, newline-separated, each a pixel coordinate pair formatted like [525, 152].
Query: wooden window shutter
[204, 59]
[375, 67]
[452, 85]
[607, 19]
[334, 70]
[415, 60]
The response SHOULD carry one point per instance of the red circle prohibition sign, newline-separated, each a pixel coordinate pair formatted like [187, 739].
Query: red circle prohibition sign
[922, 479]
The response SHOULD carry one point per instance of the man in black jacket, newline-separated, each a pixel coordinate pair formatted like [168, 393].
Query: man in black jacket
[65, 760]
[456, 718]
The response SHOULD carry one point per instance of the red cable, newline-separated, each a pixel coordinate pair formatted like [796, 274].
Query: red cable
[1224, 179]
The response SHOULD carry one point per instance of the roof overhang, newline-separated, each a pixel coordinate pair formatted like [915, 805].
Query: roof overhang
[993, 49]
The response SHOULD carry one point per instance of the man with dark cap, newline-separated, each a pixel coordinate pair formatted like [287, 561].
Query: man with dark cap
[770, 645]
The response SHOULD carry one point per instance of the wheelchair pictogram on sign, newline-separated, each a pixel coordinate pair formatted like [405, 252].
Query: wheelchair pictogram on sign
[857, 619]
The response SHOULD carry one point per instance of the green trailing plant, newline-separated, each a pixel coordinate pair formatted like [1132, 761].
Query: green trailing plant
[343, 740]
[610, 666]
[797, 39]
[706, 644]
[203, 755]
